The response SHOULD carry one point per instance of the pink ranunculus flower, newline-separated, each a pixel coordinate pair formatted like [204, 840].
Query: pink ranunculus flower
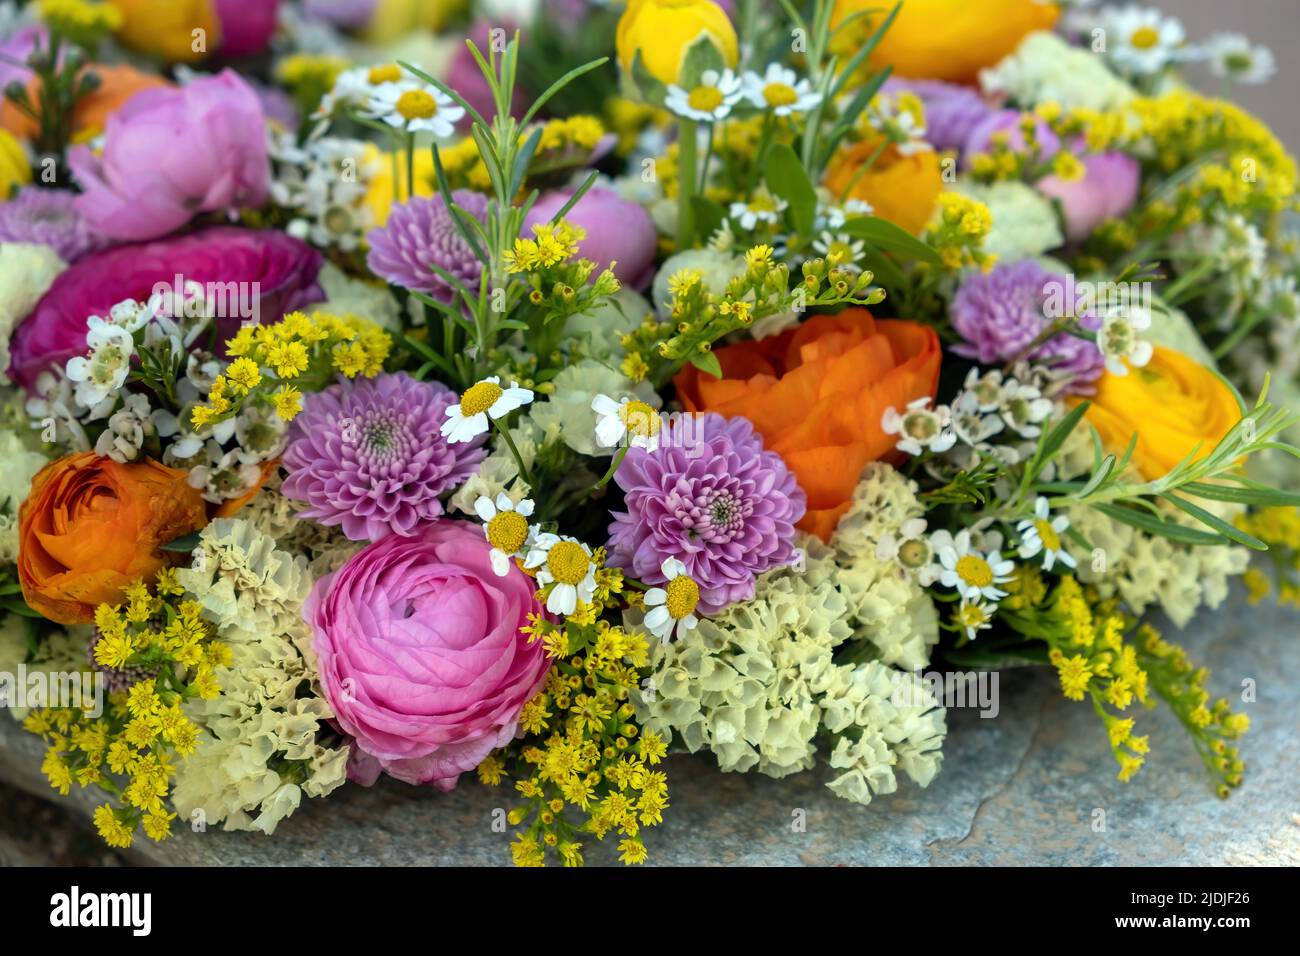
[618, 230]
[252, 273]
[171, 153]
[246, 25]
[421, 654]
[1108, 190]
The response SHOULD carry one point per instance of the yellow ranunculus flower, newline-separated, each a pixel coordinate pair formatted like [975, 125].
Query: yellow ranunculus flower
[166, 28]
[1172, 404]
[663, 30]
[942, 39]
[394, 19]
[380, 195]
[15, 168]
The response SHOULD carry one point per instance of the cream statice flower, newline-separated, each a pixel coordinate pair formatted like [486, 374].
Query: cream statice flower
[505, 525]
[415, 107]
[1232, 56]
[26, 273]
[1046, 68]
[709, 100]
[630, 420]
[780, 90]
[921, 428]
[1120, 341]
[975, 574]
[468, 418]
[565, 564]
[672, 607]
[1042, 533]
[1025, 224]
[1142, 41]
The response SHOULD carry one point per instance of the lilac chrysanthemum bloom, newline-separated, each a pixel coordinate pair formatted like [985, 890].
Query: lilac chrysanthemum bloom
[951, 111]
[421, 232]
[1001, 313]
[712, 498]
[368, 455]
[47, 217]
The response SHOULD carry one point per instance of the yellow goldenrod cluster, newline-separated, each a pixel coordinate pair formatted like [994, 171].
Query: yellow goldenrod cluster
[154, 652]
[1026, 157]
[571, 132]
[83, 20]
[559, 280]
[1279, 528]
[272, 364]
[958, 232]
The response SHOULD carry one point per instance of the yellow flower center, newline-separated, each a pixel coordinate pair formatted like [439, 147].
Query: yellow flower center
[508, 531]
[780, 94]
[568, 562]
[683, 596]
[640, 419]
[416, 104]
[975, 571]
[706, 99]
[1144, 38]
[1051, 540]
[389, 73]
[477, 399]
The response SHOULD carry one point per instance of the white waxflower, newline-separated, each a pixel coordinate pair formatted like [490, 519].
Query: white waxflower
[846, 249]
[565, 564]
[505, 525]
[672, 607]
[711, 99]
[415, 107]
[1024, 409]
[1120, 342]
[1042, 534]
[780, 90]
[972, 421]
[1142, 41]
[762, 207]
[127, 429]
[616, 421]
[468, 418]
[920, 427]
[911, 549]
[975, 574]
[1232, 56]
[104, 369]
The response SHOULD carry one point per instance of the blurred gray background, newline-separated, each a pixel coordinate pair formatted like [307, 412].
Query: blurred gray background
[1275, 24]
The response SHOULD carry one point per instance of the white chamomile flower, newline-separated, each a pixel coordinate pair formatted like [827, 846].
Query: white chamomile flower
[911, 549]
[832, 217]
[973, 617]
[672, 607]
[1232, 56]
[711, 99]
[566, 565]
[1042, 534]
[762, 207]
[899, 126]
[973, 573]
[780, 90]
[103, 370]
[1141, 40]
[415, 107]
[845, 248]
[468, 418]
[922, 428]
[1120, 342]
[505, 525]
[630, 419]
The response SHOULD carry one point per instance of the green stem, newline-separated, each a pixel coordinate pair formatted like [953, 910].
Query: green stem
[687, 161]
[514, 450]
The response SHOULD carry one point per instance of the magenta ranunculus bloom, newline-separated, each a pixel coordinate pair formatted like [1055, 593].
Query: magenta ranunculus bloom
[246, 25]
[172, 153]
[421, 654]
[618, 230]
[713, 498]
[1108, 190]
[249, 270]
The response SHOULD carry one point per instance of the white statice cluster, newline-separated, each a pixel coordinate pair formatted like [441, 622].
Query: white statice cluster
[498, 473]
[57, 652]
[325, 549]
[27, 271]
[323, 185]
[812, 659]
[1046, 68]
[1025, 224]
[20, 465]
[262, 748]
[567, 409]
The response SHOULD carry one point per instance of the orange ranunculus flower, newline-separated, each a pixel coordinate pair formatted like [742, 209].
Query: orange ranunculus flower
[1172, 404]
[903, 189]
[91, 526]
[117, 84]
[817, 394]
[942, 39]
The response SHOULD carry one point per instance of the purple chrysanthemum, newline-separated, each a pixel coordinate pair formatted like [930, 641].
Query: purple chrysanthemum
[47, 217]
[951, 111]
[420, 233]
[368, 455]
[714, 499]
[1001, 313]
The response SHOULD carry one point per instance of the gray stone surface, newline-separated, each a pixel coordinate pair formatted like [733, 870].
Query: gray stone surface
[1023, 788]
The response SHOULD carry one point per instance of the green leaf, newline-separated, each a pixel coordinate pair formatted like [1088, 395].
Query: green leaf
[701, 56]
[1248, 493]
[708, 215]
[707, 362]
[1158, 526]
[184, 544]
[560, 84]
[787, 178]
[1209, 519]
[646, 84]
[885, 235]
[577, 195]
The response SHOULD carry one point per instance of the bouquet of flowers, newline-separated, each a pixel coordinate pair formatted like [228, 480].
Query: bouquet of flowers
[512, 394]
